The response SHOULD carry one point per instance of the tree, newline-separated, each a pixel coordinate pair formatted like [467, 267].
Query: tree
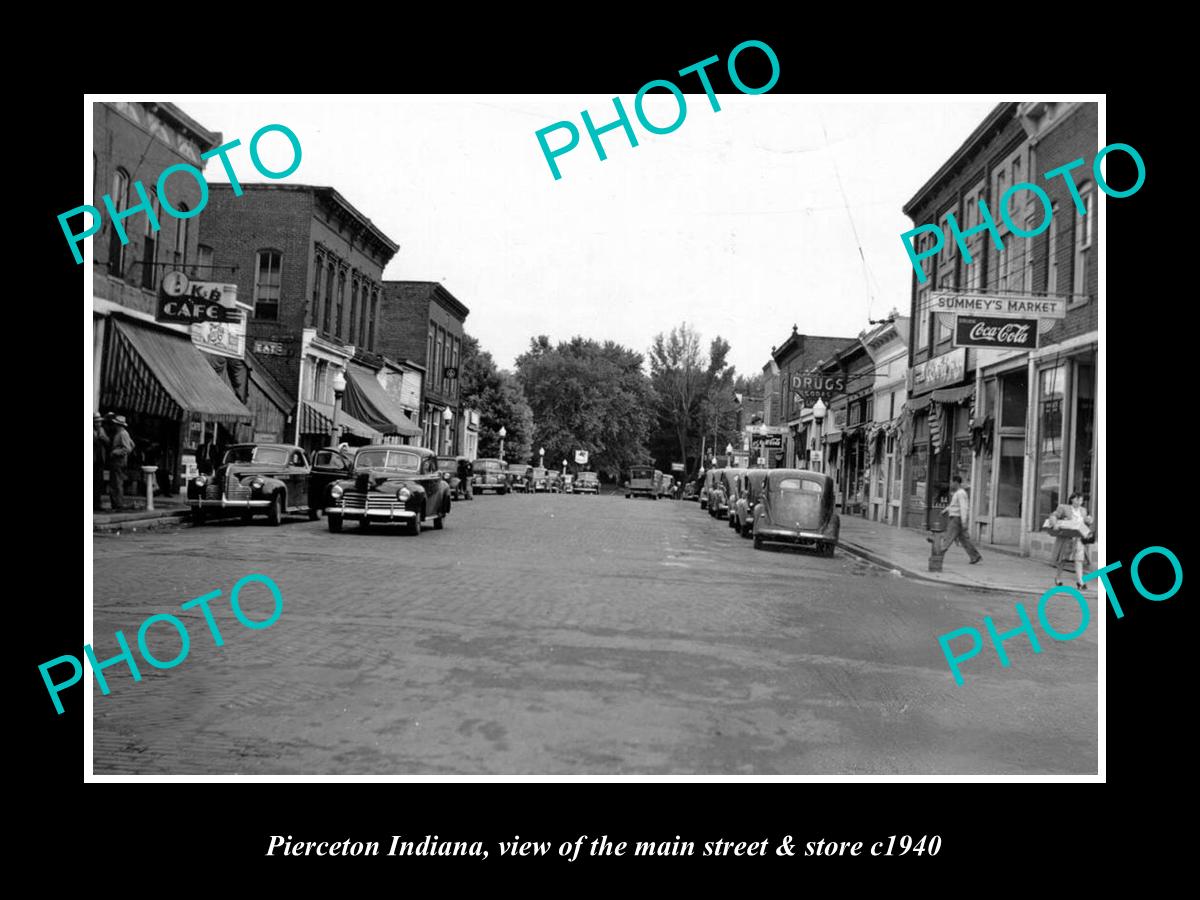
[587, 396]
[498, 397]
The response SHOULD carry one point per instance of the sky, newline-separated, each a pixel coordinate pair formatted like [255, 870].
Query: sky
[742, 221]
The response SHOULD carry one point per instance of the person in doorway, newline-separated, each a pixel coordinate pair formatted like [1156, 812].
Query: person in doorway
[205, 455]
[100, 448]
[118, 458]
[1070, 547]
[957, 513]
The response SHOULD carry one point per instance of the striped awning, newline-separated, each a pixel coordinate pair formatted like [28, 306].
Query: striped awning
[161, 373]
[316, 421]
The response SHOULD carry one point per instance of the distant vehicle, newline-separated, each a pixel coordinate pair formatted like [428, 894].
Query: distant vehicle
[721, 501]
[518, 478]
[797, 507]
[587, 483]
[539, 479]
[554, 481]
[328, 465]
[568, 484]
[451, 468]
[689, 491]
[666, 485]
[256, 478]
[641, 482]
[490, 475]
[390, 483]
[710, 482]
[740, 503]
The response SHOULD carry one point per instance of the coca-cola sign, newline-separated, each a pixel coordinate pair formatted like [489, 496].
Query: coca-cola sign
[1001, 334]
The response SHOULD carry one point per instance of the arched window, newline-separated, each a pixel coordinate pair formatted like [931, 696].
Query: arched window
[354, 290]
[312, 315]
[181, 240]
[150, 245]
[267, 280]
[1083, 245]
[119, 192]
[341, 304]
[327, 313]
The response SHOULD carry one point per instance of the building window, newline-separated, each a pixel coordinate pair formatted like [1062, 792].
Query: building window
[120, 197]
[429, 349]
[328, 307]
[374, 312]
[339, 309]
[354, 291]
[1052, 383]
[922, 319]
[1083, 246]
[203, 269]
[312, 315]
[267, 279]
[1052, 252]
[181, 239]
[150, 246]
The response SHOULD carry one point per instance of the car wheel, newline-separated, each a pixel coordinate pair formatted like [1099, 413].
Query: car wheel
[746, 530]
[439, 522]
[829, 547]
[197, 515]
[414, 526]
[758, 542]
[335, 524]
[275, 511]
[313, 514]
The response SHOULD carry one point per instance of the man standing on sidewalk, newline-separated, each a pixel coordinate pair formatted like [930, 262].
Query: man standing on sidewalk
[118, 458]
[100, 445]
[957, 511]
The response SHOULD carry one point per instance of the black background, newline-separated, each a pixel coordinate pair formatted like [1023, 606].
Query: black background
[988, 831]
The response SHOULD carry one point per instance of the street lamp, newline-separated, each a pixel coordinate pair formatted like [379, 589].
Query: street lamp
[447, 418]
[541, 457]
[819, 409]
[729, 454]
[339, 388]
[503, 434]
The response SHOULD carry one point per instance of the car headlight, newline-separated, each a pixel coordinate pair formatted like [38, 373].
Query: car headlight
[200, 481]
[257, 484]
[336, 492]
[403, 494]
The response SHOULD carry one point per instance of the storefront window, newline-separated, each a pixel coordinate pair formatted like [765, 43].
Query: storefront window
[985, 484]
[1051, 383]
[1085, 381]
[920, 475]
[1015, 399]
[1012, 470]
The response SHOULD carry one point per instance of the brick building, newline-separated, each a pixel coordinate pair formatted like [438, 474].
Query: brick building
[311, 265]
[793, 391]
[421, 321]
[162, 374]
[1016, 423]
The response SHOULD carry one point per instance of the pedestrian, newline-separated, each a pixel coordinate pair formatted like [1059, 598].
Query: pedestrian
[205, 454]
[118, 458]
[1074, 526]
[465, 471]
[100, 447]
[958, 517]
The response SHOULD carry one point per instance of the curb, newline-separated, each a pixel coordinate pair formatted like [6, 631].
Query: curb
[869, 556]
[147, 523]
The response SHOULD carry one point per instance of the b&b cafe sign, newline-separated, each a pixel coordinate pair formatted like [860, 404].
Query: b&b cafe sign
[807, 388]
[217, 320]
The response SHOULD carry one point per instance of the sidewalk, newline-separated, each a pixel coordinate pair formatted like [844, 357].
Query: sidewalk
[907, 550]
[168, 511]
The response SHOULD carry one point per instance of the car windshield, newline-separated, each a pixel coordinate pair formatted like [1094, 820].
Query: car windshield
[400, 460]
[488, 465]
[263, 456]
[799, 484]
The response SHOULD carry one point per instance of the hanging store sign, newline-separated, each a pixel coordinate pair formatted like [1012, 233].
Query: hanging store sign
[581, 457]
[949, 368]
[186, 302]
[221, 338]
[768, 441]
[677, 467]
[807, 389]
[1011, 307]
[1001, 334]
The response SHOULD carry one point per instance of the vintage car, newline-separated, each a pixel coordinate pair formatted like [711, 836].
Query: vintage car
[666, 487]
[538, 479]
[797, 507]
[518, 477]
[554, 482]
[490, 475]
[450, 466]
[329, 464]
[586, 483]
[641, 482]
[272, 479]
[741, 513]
[710, 482]
[390, 483]
[568, 483]
[720, 502]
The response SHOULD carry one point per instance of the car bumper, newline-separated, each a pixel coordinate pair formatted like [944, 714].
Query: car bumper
[381, 515]
[225, 503]
[789, 536]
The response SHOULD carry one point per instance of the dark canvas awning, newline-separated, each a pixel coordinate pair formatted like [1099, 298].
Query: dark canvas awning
[316, 421]
[160, 373]
[367, 401]
[833, 438]
[954, 394]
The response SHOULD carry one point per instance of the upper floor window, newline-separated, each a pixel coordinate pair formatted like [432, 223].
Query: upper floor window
[1052, 250]
[922, 319]
[327, 315]
[119, 191]
[181, 240]
[374, 313]
[203, 269]
[1083, 244]
[339, 311]
[354, 295]
[312, 313]
[267, 280]
[150, 246]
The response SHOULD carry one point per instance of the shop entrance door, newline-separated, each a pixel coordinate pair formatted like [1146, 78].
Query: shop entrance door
[1010, 465]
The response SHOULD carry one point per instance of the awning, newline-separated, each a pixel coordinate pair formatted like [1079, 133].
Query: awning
[160, 373]
[366, 400]
[316, 421]
[954, 394]
[916, 404]
[834, 438]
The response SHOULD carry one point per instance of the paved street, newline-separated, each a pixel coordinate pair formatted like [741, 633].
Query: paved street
[569, 635]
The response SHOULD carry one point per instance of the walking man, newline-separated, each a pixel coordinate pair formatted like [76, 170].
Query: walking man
[118, 458]
[958, 517]
[100, 445]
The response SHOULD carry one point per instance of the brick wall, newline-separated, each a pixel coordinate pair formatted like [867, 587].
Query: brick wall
[404, 321]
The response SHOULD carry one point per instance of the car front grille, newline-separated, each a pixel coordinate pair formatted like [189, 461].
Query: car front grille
[233, 491]
[358, 500]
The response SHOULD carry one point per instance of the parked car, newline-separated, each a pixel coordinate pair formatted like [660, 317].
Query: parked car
[724, 493]
[749, 495]
[710, 482]
[255, 478]
[689, 491]
[587, 483]
[641, 483]
[390, 483]
[518, 478]
[329, 464]
[538, 479]
[717, 501]
[568, 483]
[451, 468]
[490, 475]
[554, 481]
[797, 507]
[666, 485]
